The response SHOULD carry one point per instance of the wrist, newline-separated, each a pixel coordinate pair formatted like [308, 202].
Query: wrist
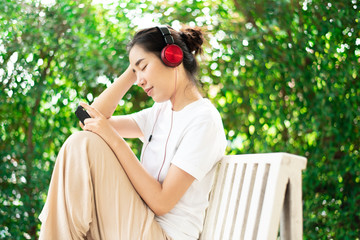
[130, 75]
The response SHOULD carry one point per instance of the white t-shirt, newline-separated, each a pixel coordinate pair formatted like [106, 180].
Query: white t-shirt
[196, 143]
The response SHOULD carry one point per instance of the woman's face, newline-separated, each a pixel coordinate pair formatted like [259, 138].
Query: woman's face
[153, 76]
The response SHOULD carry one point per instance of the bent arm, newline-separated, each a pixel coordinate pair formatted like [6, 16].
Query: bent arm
[107, 101]
[161, 198]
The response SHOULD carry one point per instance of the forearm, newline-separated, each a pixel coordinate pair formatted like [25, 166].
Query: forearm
[107, 101]
[148, 187]
[160, 197]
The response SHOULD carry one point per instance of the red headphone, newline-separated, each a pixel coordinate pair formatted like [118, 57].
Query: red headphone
[171, 54]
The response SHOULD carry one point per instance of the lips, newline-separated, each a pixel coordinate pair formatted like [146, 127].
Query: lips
[148, 90]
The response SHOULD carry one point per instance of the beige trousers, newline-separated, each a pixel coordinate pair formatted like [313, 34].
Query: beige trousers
[91, 197]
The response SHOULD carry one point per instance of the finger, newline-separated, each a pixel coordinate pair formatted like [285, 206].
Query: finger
[91, 110]
[87, 121]
[88, 124]
[81, 125]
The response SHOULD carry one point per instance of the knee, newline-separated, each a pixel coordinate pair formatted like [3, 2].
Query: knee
[82, 135]
[87, 147]
[84, 145]
[85, 138]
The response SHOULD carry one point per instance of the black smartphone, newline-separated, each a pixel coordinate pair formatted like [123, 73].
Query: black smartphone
[82, 114]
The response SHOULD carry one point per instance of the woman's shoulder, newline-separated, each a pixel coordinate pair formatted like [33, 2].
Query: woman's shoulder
[206, 110]
[201, 111]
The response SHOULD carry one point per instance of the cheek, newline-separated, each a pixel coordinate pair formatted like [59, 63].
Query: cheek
[162, 78]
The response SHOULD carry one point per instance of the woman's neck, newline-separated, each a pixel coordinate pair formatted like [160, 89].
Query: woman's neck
[184, 95]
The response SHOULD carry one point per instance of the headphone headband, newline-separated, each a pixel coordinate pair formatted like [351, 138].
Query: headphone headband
[166, 34]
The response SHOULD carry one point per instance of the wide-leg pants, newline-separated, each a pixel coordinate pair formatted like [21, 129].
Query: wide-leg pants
[91, 197]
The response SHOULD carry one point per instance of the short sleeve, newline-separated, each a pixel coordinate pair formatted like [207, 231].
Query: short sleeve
[201, 147]
[145, 119]
[142, 119]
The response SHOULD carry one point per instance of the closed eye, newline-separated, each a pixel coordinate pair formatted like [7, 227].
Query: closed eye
[142, 69]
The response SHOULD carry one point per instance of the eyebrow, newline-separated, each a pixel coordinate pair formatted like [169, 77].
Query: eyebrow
[139, 61]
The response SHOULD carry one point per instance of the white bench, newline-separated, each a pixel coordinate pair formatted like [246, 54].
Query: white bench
[253, 194]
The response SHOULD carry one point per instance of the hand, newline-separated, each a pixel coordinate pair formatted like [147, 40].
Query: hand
[130, 74]
[98, 124]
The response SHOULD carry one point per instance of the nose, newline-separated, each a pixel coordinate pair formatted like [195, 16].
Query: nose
[140, 81]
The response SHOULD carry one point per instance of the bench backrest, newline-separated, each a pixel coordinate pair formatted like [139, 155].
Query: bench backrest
[251, 193]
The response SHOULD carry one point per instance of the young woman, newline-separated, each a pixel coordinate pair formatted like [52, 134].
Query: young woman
[100, 190]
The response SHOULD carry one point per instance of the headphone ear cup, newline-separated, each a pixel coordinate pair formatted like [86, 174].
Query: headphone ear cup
[172, 55]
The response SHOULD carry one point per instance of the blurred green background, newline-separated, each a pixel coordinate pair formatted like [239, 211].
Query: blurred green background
[284, 75]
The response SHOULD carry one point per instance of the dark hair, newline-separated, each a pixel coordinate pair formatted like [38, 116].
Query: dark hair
[188, 39]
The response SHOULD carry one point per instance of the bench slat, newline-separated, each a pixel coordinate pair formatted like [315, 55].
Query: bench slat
[225, 198]
[234, 200]
[248, 197]
[257, 201]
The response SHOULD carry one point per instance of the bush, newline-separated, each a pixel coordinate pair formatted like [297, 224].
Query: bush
[283, 74]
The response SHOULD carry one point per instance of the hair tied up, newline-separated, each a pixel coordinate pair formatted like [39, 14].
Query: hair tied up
[193, 38]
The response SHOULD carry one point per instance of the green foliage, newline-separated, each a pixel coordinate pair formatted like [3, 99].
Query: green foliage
[283, 74]
[298, 88]
[51, 57]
